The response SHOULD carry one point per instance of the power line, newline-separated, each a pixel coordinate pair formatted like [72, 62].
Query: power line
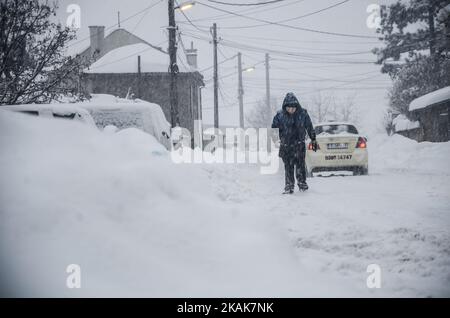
[291, 19]
[289, 88]
[246, 4]
[184, 50]
[249, 10]
[345, 84]
[312, 54]
[225, 97]
[288, 26]
[318, 50]
[256, 38]
[309, 57]
[319, 78]
[234, 73]
[144, 15]
[189, 21]
[264, 41]
[221, 53]
[210, 67]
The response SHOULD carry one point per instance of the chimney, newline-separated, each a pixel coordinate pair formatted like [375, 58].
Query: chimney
[191, 56]
[97, 34]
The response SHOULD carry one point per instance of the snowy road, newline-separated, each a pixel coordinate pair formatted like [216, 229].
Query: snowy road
[397, 219]
[138, 224]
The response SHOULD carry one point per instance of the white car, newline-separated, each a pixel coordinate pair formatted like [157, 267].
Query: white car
[145, 116]
[341, 148]
[57, 111]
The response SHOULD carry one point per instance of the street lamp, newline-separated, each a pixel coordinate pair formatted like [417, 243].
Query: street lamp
[185, 6]
[249, 69]
[241, 88]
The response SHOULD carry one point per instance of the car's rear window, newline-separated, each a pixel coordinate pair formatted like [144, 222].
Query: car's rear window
[336, 129]
[120, 119]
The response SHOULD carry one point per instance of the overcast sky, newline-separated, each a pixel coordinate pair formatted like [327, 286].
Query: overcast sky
[331, 64]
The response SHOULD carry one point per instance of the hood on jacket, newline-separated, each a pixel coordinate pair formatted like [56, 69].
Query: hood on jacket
[291, 101]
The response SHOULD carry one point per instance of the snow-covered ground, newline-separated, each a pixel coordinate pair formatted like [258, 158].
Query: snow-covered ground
[140, 225]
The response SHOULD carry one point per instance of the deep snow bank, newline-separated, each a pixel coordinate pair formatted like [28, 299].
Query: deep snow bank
[137, 224]
[398, 153]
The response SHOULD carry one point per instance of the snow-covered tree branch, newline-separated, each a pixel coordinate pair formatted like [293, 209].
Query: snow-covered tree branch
[33, 66]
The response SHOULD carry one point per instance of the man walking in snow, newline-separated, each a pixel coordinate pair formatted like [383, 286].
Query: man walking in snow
[293, 122]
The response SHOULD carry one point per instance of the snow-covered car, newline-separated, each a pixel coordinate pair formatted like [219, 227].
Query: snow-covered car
[145, 116]
[340, 148]
[58, 111]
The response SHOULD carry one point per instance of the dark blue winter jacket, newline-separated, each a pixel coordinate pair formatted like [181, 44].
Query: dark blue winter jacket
[292, 128]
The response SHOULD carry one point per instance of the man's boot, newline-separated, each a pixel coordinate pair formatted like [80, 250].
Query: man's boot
[303, 186]
[288, 190]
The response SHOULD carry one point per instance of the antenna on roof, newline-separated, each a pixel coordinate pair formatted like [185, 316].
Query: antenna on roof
[118, 18]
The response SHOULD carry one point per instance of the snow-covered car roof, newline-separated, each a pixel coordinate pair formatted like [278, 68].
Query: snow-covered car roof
[60, 108]
[121, 106]
[124, 113]
[112, 103]
[429, 99]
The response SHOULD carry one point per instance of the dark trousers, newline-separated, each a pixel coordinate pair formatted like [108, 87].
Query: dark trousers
[294, 165]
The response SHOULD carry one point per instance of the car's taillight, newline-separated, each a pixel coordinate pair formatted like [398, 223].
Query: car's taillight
[310, 146]
[362, 143]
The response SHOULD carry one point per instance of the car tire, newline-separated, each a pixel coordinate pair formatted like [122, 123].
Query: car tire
[309, 173]
[361, 171]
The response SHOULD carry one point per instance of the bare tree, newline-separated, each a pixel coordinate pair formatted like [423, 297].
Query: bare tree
[325, 107]
[261, 115]
[321, 107]
[346, 109]
[33, 67]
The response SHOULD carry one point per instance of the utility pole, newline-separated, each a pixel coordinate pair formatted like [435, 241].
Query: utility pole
[216, 79]
[118, 18]
[240, 92]
[173, 68]
[139, 77]
[267, 83]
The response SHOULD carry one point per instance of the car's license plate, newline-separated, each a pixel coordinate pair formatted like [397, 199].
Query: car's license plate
[338, 157]
[337, 146]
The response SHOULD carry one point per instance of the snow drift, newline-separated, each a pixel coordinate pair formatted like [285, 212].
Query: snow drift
[139, 225]
[136, 224]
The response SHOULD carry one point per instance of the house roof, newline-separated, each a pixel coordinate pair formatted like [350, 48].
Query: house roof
[119, 38]
[125, 60]
[430, 99]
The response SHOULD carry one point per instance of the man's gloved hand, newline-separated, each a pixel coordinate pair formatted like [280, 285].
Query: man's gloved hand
[314, 145]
